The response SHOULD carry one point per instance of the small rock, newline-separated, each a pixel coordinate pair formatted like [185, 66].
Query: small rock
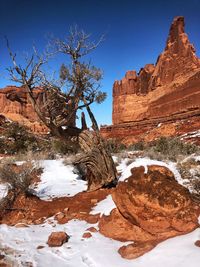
[197, 243]
[87, 235]
[60, 216]
[92, 229]
[66, 210]
[92, 218]
[94, 201]
[39, 221]
[40, 247]
[57, 239]
[135, 250]
[18, 225]
[2, 257]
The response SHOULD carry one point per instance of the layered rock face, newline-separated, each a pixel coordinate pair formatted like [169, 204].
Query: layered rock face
[15, 105]
[170, 90]
[150, 207]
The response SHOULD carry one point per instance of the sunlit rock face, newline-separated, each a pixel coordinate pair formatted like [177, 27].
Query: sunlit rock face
[16, 106]
[170, 90]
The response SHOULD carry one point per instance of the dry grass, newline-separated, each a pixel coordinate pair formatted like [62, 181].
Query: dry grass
[18, 180]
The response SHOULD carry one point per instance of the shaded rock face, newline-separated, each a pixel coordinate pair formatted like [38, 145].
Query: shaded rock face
[15, 105]
[168, 90]
[151, 207]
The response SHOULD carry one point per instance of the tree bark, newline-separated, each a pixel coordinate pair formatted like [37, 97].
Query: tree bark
[99, 167]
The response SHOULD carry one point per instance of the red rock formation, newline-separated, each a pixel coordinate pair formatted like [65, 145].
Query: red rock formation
[168, 91]
[15, 105]
[151, 207]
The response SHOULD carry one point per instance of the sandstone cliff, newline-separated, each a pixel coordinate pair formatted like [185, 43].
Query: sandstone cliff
[15, 105]
[166, 91]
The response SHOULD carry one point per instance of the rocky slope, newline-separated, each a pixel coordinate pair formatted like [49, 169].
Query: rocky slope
[166, 92]
[15, 105]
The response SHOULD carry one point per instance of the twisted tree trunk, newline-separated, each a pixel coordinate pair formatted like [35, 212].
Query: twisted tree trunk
[100, 170]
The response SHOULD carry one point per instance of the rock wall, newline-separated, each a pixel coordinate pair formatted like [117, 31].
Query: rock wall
[15, 105]
[167, 91]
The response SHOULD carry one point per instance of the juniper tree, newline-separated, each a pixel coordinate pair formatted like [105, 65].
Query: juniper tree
[58, 109]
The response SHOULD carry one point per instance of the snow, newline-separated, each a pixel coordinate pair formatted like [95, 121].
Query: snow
[58, 180]
[197, 158]
[191, 134]
[3, 190]
[97, 251]
[104, 207]
[20, 163]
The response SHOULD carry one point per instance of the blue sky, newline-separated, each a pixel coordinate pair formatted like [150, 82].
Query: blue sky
[136, 33]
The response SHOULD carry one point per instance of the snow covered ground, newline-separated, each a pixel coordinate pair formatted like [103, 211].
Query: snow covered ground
[98, 251]
[58, 180]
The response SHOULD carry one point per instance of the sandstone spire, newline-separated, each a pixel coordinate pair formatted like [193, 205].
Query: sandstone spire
[178, 58]
[162, 91]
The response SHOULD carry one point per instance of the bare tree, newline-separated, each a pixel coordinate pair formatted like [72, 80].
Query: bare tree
[58, 110]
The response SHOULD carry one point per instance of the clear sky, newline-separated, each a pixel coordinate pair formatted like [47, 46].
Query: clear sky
[136, 32]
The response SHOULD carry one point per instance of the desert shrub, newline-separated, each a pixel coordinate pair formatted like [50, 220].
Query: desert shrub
[189, 170]
[138, 146]
[170, 148]
[174, 146]
[114, 146]
[196, 185]
[17, 138]
[165, 148]
[62, 147]
[2, 146]
[18, 179]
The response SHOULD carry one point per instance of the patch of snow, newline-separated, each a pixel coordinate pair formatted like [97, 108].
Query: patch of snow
[3, 190]
[123, 165]
[191, 134]
[96, 251]
[197, 158]
[104, 207]
[58, 180]
[20, 163]
[115, 159]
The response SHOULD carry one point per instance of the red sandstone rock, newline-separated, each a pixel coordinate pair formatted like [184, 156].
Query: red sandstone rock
[92, 229]
[117, 227]
[136, 250]
[87, 235]
[156, 202]
[150, 208]
[15, 105]
[57, 239]
[168, 91]
[197, 243]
